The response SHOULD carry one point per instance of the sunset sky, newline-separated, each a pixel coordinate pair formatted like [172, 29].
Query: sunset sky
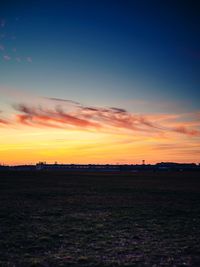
[99, 81]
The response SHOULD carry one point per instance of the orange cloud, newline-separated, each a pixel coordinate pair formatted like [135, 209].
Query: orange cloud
[51, 118]
[83, 117]
[3, 122]
[185, 130]
[105, 119]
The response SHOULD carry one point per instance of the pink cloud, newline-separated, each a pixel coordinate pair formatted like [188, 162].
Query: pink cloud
[184, 130]
[68, 114]
[6, 57]
[52, 118]
[2, 48]
[106, 119]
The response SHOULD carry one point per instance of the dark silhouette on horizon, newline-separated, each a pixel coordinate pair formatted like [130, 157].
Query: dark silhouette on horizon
[162, 166]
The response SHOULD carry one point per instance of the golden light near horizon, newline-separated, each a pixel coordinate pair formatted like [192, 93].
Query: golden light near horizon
[27, 145]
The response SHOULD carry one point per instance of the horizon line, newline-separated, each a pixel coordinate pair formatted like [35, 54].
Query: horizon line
[100, 164]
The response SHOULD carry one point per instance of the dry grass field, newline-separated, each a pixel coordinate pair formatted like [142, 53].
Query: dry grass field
[99, 219]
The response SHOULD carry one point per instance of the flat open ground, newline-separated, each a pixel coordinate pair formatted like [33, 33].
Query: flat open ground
[99, 219]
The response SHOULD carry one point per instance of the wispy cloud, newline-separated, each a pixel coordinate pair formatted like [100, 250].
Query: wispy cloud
[38, 116]
[111, 119]
[62, 100]
[6, 57]
[62, 113]
[184, 130]
[117, 118]
[3, 121]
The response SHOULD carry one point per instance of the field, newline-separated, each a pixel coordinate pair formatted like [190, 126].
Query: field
[99, 219]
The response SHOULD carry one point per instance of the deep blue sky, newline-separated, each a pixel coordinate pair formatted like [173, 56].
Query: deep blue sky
[104, 52]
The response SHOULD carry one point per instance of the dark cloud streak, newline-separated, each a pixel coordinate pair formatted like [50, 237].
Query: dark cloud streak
[62, 100]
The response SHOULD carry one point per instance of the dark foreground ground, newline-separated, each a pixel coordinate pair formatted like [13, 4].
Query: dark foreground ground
[94, 219]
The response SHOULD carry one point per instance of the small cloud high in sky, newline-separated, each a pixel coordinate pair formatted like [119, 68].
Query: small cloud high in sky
[99, 81]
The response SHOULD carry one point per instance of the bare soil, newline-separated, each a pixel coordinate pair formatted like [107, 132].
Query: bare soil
[99, 219]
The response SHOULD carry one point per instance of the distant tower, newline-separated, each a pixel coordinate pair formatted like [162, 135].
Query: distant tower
[143, 162]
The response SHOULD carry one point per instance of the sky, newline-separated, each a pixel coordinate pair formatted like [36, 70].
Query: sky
[99, 81]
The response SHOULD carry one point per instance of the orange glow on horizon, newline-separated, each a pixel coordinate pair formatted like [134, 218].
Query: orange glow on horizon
[33, 145]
